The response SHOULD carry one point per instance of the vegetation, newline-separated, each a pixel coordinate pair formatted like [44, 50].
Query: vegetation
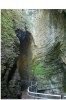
[42, 69]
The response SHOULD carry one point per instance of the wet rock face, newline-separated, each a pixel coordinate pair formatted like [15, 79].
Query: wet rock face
[49, 29]
[50, 37]
[11, 20]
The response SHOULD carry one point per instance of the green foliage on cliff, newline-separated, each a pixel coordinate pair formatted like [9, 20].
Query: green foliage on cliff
[42, 69]
[8, 32]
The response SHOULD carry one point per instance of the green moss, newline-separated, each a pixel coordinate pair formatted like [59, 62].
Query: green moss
[41, 69]
[7, 24]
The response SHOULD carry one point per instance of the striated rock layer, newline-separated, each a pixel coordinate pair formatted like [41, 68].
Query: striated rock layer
[50, 38]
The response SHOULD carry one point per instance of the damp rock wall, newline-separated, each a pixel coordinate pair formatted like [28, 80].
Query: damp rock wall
[50, 37]
[49, 29]
[11, 20]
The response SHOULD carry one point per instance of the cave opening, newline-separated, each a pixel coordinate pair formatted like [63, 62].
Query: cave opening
[24, 59]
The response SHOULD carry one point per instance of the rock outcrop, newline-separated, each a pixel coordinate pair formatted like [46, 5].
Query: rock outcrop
[50, 38]
[12, 20]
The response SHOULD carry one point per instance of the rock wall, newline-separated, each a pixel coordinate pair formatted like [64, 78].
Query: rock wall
[50, 38]
[49, 27]
[11, 20]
